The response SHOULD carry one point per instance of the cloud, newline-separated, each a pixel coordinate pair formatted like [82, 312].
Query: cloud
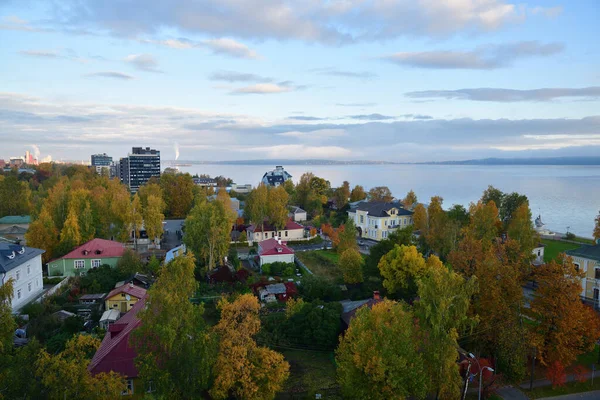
[300, 151]
[110, 74]
[416, 116]
[372, 117]
[143, 62]
[232, 76]
[267, 88]
[305, 118]
[356, 104]
[319, 133]
[508, 95]
[41, 53]
[484, 57]
[344, 74]
[548, 12]
[230, 47]
[330, 22]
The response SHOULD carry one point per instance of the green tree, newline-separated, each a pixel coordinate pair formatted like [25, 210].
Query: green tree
[358, 193]
[178, 192]
[351, 263]
[437, 234]
[520, 229]
[459, 214]
[380, 193]
[15, 196]
[379, 357]
[410, 200]
[341, 195]
[401, 268]
[42, 234]
[154, 217]
[484, 223]
[510, 204]
[597, 227]
[153, 265]
[277, 210]
[174, 348]
[18, 379]
[129, 263]
[7, 322]
[243, 369]
[304, 190]
[347, 237]
[492, 194]
[289, 188]
[69, 235]
[399, 237]
[137, 219]
[257, 207]
[444, 299]
[208, 232]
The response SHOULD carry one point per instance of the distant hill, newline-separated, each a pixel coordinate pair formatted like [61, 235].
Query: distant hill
[284, 162]
[524, 161]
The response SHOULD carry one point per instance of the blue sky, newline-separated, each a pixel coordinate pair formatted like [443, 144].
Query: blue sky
[395, 80]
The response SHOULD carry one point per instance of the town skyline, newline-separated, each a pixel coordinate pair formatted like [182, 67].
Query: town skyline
[339, 80]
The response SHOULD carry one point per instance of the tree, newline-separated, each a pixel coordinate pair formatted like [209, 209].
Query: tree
[208, 232]
[119, 210]
[129, 263]
[304, 190]
[42, 234]
[7, 322]
[484, 222]
[18, 378]
[566, 326]
[402, 236]
[320, 188]
[154, 217]
[437, 233]
[492, 194]
[341, 195]
[597, 227]
[257, 207]
[65, 375]
[243, 369]
[357, 194]
[289, 188]
[401, 268]
[149, 189]
[153, 265]
[350, 263]
[277, 211]
[137, 219]
[510, 204]
[444, 299]
[174, 347]
[14, 196]
[520, 229]
[379, 357]
[420, 220]
[347, 237]
[86, 223]
[410, 200]
[178, 193]
[380, 193]
[69, 235]
[556, 374]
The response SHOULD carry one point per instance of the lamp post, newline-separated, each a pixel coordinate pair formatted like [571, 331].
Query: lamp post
[480, 373]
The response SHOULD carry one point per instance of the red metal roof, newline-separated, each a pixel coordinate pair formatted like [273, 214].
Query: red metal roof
[270, 247]
[97, 248]
[289, 226]
[129, 289]
[115, 353]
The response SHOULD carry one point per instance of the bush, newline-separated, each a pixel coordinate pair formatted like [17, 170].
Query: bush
[279, 269]
[53, 281]
[34, 310]
[313, 288]
[570, 236]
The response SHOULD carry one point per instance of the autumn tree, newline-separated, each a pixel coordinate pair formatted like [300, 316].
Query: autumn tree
[153, 216]
[257, 207]
[65, 375]
[175, 350]
[277, 210]
[243, 369]
[137, 219]
[42, 234]
[402, 236]
[410, 200]
[57, 202]
[484, 223]
[444, 299]
[510, 204]
[341, 195]
[15, 196]
[401, 268]
[69, 235]
[492, 194]
[380, 356]
[437, 233]
[357, 194]
[420, 220]
[118, 202]
[380, 193]
[178, 194]
[520, 229]
[151, 188]
[597, 227]
[566, 327]
[351, 262]
[304, 190]
[347, 237]
[208, 232]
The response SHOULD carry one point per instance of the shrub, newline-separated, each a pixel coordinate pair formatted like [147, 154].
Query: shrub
[279, 268]
[570, 236]
[556, 374]
[580, 373]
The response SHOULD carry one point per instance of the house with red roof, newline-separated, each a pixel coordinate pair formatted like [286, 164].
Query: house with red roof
[115, 353]
[89, 255]
[124, 297]
[274, 250]
[291, 231]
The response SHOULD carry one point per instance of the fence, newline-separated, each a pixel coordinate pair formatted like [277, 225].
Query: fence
[301, 265]
[53, 289]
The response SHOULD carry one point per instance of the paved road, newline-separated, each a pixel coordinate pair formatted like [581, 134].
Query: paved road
[511, 393]
[579, 396]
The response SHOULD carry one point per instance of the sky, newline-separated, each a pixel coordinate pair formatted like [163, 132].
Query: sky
[390, 80]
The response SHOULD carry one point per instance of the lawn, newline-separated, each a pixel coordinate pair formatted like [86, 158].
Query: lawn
[311, 372]
[322, 263]
[555, 247]
[569, 388]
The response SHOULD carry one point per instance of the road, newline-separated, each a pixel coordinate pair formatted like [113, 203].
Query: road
[577, 396]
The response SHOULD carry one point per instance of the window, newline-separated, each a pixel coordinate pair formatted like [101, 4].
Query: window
[286, 233]
[29, 286]
[115, 305]
[576, 266]
[597, 272]
[37, 283]
[129, 389]
[28, 270]
[150, 388]
[362, 219]
[79, 264]
[122, 294]
[18, 275]
[131, 305]
[96, 263]
[19, 294]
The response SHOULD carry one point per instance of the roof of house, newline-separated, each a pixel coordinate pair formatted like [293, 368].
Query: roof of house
[96, 248]
[591, 252]
[93, 296]
[297, 210]
[351, 307]
[13, 230]
[380, 208]
[110, 315]
[12, 255]
[272, 247]
[129, 289]
[16, 219]
[115, 353]
[289, 226]
[276, 288]
[62, 315]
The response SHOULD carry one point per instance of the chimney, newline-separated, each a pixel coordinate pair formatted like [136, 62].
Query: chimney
[279, 241]
[376, 295]
[130, 284]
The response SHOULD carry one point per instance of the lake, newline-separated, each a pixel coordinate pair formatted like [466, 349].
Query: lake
[565, 196]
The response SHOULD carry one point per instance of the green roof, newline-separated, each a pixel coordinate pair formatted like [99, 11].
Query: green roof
[16, 219]
[586, 251]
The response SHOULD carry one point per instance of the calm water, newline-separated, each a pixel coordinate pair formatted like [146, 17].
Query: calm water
[566, 196]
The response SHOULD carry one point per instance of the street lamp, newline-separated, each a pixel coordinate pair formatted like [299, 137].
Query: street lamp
[480, 373]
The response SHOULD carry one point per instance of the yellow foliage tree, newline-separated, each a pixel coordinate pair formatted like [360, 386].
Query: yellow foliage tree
[70, 236]
[401, 268]
[243, 369]
[42, 234]
[351, 263]
[65, 375]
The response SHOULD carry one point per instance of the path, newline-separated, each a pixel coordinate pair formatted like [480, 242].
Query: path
[511, 393]
[579, 396]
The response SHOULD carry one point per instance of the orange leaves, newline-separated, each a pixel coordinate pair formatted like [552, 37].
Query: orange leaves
[556, 374]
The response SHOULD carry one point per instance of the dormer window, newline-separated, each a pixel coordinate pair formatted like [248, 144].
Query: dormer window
[22, 250]
[85, 252]
[11, 256]
[99, 251]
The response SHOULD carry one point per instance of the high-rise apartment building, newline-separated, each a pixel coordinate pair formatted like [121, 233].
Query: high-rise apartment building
[137, 169]
[101, 160]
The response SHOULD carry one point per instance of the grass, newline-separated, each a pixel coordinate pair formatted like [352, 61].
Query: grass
[311, 372]
[569, 388]
[322, 263]
[555, 247]
[589, 358]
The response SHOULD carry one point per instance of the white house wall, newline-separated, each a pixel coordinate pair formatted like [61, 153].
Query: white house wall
[29, 285]
[287, 258]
